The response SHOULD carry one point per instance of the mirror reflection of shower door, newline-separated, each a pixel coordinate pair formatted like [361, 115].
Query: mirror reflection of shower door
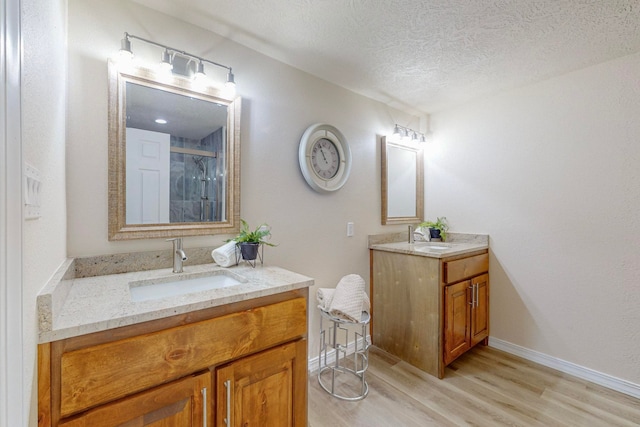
[147, 177]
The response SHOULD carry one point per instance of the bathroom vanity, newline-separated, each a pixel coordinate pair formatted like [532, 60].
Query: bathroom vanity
[231, 354]
[430, 300]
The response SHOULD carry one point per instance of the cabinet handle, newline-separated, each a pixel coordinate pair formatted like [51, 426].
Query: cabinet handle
[473, 296]
[204, 407]
[227, 420]
[477, 298]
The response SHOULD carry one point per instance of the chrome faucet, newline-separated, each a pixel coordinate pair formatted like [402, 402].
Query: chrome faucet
[178, 254]
[411, 236]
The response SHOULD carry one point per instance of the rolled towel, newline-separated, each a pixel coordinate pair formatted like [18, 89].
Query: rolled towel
[348, 298]
[225, 255]
[325, 296]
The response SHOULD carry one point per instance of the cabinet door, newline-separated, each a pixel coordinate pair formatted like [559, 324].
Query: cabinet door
[480, 310]
[266, 389]
[181, 403]
[456, 320]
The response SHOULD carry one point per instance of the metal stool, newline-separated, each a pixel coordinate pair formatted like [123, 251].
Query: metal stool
[338, 340]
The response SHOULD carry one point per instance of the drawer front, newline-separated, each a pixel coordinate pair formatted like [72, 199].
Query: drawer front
[99, 374]
[464, 268]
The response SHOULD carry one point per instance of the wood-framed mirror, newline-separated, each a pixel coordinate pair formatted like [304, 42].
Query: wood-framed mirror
[402, 183]
[174, 156]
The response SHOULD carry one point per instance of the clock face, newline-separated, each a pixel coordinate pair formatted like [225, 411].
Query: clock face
[325, 158]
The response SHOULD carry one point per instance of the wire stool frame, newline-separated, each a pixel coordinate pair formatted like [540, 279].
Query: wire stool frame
[336, 337]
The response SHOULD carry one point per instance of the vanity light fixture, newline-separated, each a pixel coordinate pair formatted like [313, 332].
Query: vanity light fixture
[200, 70]
[169, 54]
[125, 48]
[166, 61]
[231, 81]
[408, 135]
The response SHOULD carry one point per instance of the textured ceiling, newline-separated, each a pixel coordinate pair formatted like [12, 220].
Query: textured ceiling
[424, 55]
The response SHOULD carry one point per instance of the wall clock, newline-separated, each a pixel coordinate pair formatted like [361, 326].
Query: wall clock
[325, 158]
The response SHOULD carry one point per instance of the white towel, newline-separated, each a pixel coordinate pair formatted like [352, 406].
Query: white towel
[348, 298]
[325, 296]
[225, 255]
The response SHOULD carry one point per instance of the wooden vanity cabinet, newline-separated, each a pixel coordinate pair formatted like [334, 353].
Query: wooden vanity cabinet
[421, 306]
[466, 304]
[167, 372]
[466, 321]
[261, 390]
[177, 404]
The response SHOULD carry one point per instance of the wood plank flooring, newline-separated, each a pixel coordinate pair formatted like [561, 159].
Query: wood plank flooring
[485, 387]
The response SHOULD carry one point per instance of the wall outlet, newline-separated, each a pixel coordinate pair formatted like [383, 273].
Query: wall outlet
[350, 229]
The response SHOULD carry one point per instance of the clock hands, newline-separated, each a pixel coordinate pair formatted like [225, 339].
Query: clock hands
[323, 155]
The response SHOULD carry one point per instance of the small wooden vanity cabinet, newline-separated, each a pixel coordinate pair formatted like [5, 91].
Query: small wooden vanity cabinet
[466, 304]
[426, 310]
[243, 363]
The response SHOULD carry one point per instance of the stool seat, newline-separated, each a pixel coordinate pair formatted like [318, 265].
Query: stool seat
[334, 342]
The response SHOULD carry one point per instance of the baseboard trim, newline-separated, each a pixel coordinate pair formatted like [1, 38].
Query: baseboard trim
[331, 355]
[614, 383]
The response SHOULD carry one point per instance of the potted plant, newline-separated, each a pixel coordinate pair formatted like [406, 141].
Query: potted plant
[249, 241]
[438, 228]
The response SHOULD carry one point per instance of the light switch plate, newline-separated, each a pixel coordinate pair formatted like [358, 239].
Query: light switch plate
[350, 230]
[32, 187]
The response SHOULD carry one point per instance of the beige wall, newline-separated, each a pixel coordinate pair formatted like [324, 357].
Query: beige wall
[551, 172]
[43, 138]
[279, 103]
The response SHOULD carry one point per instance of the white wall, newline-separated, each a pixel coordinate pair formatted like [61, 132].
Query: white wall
[279, 103]
[552, 172]
[43, 137]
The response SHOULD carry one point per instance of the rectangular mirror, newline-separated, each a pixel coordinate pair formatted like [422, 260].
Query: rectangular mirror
[174, 157]
[402, 183]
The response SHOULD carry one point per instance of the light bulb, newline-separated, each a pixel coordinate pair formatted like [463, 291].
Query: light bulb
[166, 61]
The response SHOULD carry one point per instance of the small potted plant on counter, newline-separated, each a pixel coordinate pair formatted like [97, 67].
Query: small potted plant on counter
[438, 228]
[249, 241]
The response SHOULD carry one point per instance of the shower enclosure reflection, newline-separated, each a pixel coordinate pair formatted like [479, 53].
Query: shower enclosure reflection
[175, 157]
[197, 180]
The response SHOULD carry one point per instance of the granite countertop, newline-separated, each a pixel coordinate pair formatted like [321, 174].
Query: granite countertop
[71, 305]
[456, 244]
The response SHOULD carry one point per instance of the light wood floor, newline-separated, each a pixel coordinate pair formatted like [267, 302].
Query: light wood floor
[485, 387]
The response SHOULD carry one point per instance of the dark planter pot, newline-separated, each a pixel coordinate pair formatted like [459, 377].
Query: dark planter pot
[249, 251]
[435, 234]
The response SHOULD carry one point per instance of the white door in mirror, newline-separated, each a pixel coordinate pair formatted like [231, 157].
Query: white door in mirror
[325, 158]
[147, 176]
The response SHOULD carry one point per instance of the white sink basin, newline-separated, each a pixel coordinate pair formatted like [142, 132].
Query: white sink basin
[429, 246]
[182, 284]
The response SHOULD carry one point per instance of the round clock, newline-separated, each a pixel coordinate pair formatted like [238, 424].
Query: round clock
[325, 158]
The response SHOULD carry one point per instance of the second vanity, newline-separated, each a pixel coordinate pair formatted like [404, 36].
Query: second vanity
[430, 300]
[229, 354]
